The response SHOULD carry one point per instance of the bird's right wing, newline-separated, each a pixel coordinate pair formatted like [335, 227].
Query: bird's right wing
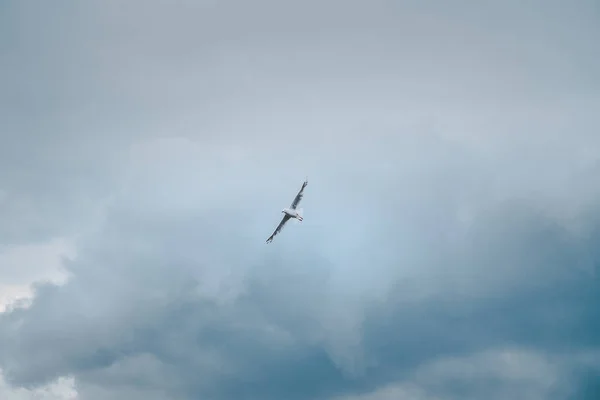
[299, 195]
[279, 227]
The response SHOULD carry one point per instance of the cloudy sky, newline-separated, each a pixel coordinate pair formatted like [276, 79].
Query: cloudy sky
[452, 220]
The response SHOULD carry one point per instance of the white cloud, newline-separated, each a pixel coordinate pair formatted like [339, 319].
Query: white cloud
[62, 389]
[23, 265]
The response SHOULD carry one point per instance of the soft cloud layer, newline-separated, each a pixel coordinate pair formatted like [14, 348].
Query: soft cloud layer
[450, 241]
[60, 390]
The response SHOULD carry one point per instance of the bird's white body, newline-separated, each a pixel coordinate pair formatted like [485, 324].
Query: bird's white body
[292, 213]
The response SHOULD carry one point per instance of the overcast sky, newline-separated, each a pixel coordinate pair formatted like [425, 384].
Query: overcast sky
[452, 223]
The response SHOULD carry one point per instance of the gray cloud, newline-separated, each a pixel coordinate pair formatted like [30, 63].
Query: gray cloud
[157, 289]
[458, 143]
[495, 373]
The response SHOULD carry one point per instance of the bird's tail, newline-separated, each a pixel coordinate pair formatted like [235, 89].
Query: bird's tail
[300, 216]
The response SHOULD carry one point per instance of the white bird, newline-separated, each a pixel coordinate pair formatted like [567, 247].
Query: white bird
[290, 212]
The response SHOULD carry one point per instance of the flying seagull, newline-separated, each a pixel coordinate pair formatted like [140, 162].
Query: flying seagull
[290, 212]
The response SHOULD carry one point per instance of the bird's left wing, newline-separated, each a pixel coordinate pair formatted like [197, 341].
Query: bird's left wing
[299, 196]
[279, 227]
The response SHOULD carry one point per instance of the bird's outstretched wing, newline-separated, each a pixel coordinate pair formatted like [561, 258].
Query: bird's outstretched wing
[279, 227]
[299, 196]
